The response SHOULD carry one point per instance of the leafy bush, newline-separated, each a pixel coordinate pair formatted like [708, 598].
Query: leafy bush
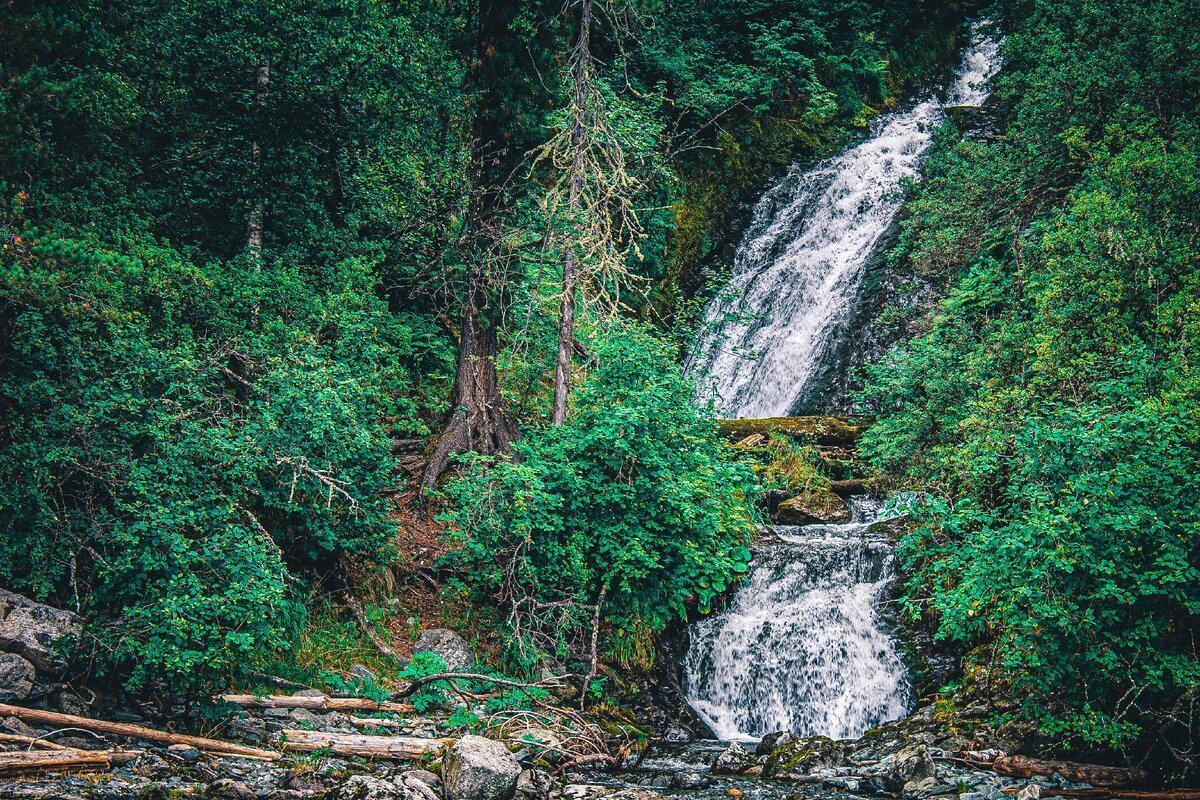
[177, 439]
[634, 504]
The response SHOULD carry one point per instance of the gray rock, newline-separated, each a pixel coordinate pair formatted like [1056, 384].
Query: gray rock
[733, 760]
[247, 729]
[476, 768]
[424, 776]
[229, 789]
[185, 753]
[35, 631]
[16, 678]
[306, 718]
[70, 703]
[362, 672]
[310, 693]
[416, 789]
[365, 787]
[913, 764]
[690, 780]
[1030, 792]
[773, 741]
[447, 644]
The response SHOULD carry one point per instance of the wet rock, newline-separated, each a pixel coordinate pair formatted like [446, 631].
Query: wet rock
[801, 757]
[34, 631]
[447, 645]
[806, 510]
[690, 780]
[476, 768]
[16, 678]
[733, 761]
[773, 741]
[71, 703]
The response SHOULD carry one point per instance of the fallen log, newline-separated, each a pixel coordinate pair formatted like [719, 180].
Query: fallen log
[320, 703]
[400, 748]
[1114, 794]
[136, 732]
[45, 744]
[25, 761]
[1095, 774]
[823, 431]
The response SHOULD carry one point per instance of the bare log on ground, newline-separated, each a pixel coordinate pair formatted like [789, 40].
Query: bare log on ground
[1095, 774]
[136, 732]
[24, 762]
[400, 748]
[1114, 794]
[321, 703]
[31, 741]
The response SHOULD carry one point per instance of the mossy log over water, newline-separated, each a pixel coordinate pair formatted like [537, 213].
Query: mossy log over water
[825, 431]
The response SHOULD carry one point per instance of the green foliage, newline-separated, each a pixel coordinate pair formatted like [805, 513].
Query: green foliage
[432, 694]
[188, 429]
[634, 502]
[1049, 405]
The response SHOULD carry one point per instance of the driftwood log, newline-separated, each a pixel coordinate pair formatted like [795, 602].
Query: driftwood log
[842, 432]
[23, 762]
[136, 732]
[1095, 774]
[321, 703]
[400, 748]
[1115, 794]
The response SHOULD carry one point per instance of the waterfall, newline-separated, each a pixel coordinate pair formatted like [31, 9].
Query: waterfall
[802, 647]
[797, 275]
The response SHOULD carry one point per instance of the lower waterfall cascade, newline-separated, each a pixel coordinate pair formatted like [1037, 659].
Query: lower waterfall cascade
[802, 646]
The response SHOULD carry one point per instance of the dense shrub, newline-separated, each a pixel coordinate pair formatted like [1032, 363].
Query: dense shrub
[635, 503]
[177, 439]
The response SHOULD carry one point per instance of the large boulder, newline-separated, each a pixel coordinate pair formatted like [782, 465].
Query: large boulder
[35, 631]
[909, 768]
[476, 768]
[799, 757]
[16, 678]
[447, 644]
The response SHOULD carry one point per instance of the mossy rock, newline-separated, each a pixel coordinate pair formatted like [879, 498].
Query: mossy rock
[827, 431]
[812, 507]
[800, 757]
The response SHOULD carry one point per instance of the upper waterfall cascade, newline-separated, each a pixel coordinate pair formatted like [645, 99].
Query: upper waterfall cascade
[798, 273]
[801, 647]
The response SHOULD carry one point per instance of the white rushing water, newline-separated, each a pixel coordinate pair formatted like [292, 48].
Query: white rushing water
[798, 273]
[801, 647]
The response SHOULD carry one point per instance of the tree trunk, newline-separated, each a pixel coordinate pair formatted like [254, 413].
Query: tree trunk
[254, 227]
[566, 325]
[479, 422]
